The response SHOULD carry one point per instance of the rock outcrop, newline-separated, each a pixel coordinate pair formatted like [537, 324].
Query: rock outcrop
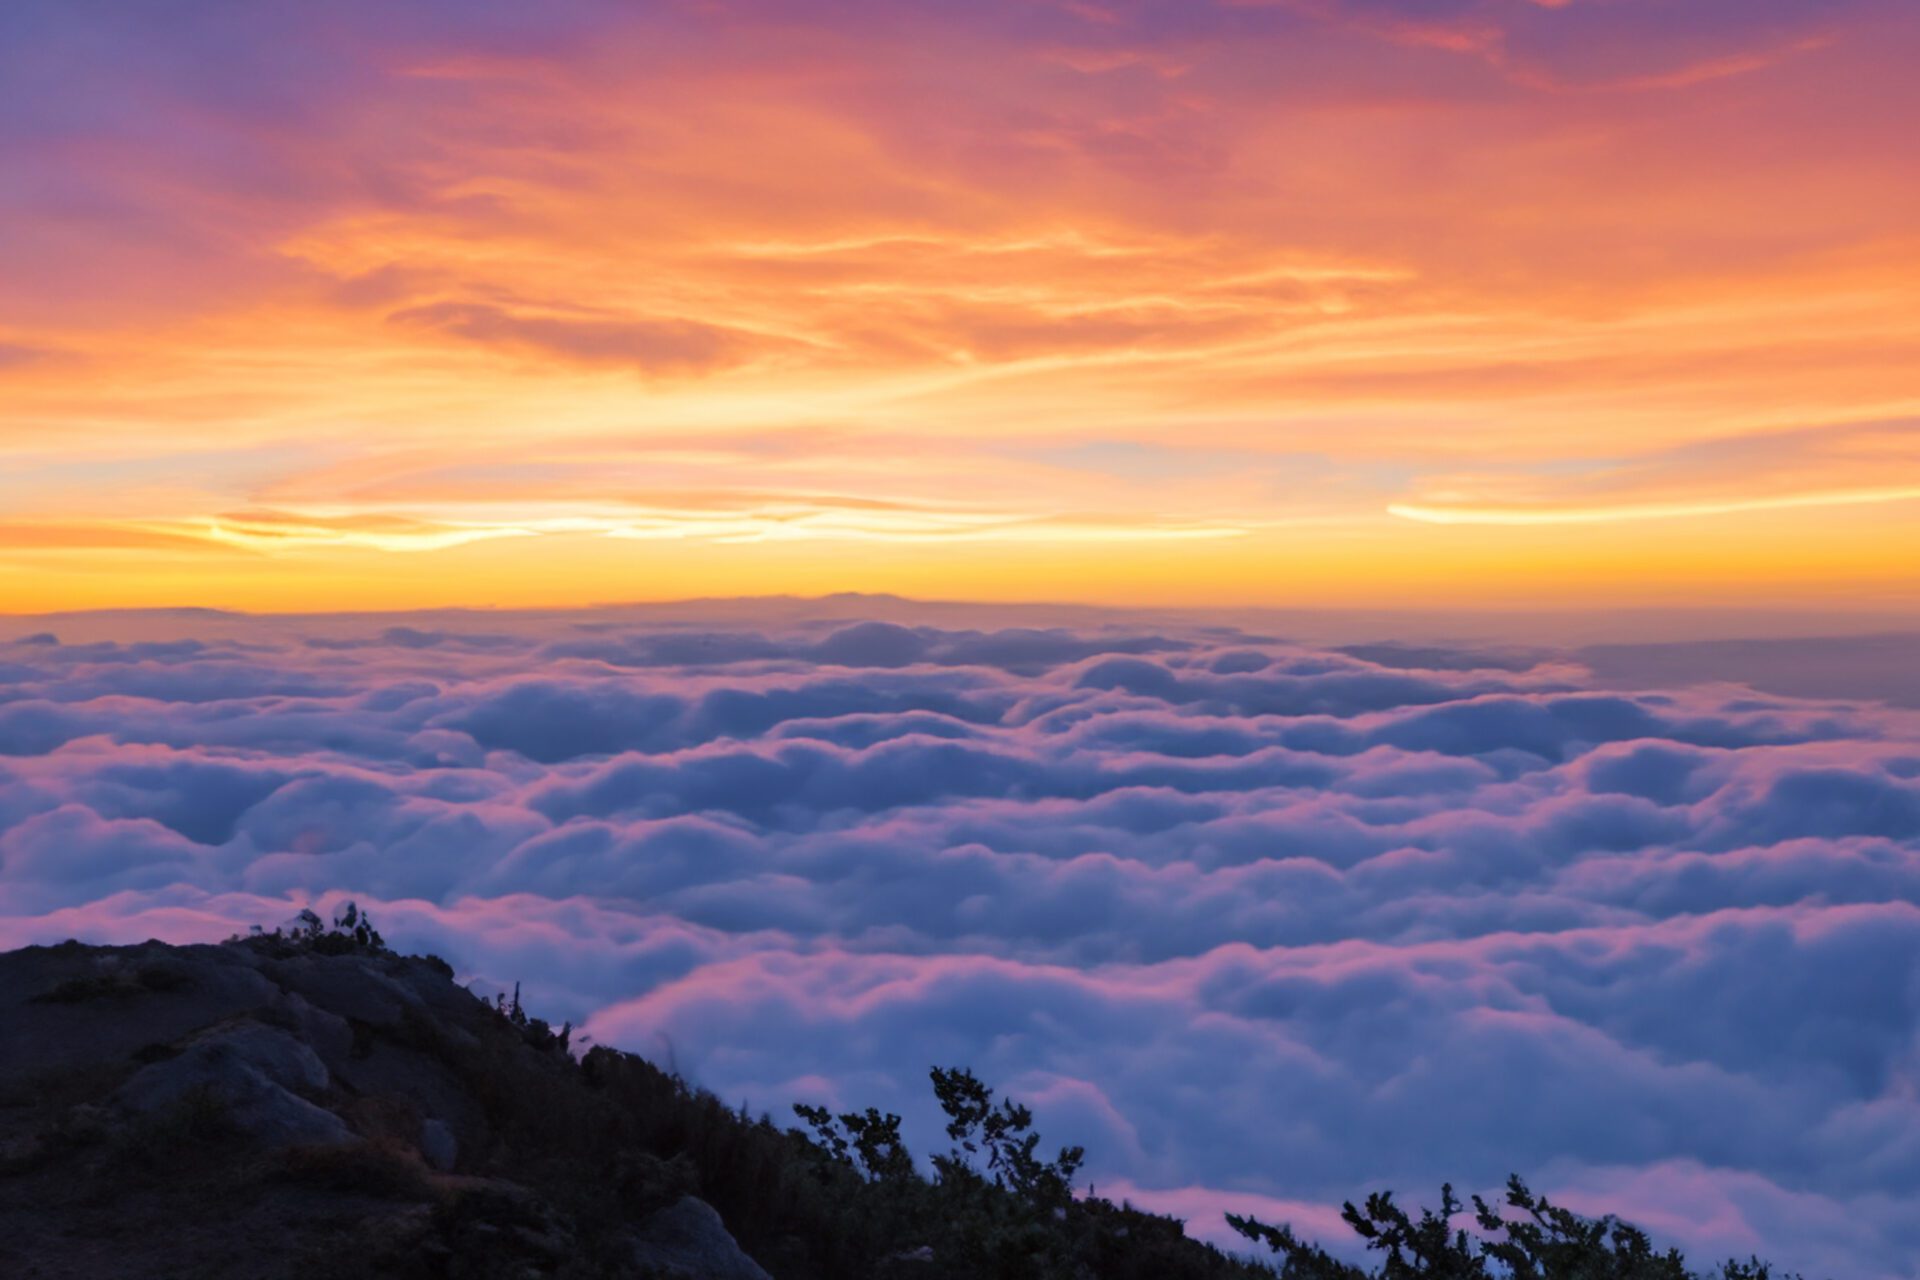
[259, 1077]
[301, 1107]
[687, 1241]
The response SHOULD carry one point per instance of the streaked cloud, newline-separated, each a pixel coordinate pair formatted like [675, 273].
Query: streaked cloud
[720, 518]
[278, 530]
[1767, 471]
[1327, 259]
[653, 346]
[1649, 510]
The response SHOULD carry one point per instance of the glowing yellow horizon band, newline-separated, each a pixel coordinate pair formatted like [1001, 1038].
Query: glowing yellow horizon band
[1646, 511]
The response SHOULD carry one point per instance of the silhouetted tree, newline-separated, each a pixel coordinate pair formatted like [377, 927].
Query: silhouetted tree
[1535, 1240]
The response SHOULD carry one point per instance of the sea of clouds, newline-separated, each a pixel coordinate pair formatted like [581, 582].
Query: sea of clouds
[1263, 925]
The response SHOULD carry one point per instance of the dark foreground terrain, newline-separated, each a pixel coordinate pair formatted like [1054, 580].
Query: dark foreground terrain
[311, 1105]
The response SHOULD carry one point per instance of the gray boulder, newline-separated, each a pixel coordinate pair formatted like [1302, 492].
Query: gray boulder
[329, 1034]
[253, 1071]
[386, 1070]
[687, 1241]
[71, 1005]
[438, 1145]
[351, 987]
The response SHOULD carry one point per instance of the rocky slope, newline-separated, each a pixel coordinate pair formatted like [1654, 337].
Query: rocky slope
[308, 1104]
[271, 1107]
[312, 1106]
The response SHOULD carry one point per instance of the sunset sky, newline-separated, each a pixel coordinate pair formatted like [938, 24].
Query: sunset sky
[1343, 302]
[1489, 431]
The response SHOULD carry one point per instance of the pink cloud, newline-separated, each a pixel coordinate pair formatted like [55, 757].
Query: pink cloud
[1259, 924]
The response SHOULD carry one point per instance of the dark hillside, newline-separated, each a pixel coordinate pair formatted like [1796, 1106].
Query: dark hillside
[312, 1105]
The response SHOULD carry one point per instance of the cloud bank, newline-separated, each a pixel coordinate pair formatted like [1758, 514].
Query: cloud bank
[1261, 924]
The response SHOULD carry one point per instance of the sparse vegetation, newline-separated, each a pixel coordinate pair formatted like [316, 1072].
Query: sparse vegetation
[351, 930]
[198, 1123]
[1014, 1215]
[561, 1159]
[114, 981]
[538, 1032]
[1534, 1239]
[380, 1167]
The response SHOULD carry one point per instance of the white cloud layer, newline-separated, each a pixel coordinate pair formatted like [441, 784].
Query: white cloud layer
[1257, 923]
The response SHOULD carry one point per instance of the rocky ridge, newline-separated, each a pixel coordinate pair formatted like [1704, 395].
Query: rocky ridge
[307, 1104]
[273, 1107]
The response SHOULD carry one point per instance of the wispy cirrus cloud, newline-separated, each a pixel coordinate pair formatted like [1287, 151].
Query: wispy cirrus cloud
[650, 345]
[1468, 513]
[1474, 245]
[718, 518]
[15, 355]
[1772, 471]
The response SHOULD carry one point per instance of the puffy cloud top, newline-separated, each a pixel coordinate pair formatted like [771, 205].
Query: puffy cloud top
[1260, 924]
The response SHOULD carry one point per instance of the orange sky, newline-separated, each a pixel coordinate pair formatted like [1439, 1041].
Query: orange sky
[1365, 303]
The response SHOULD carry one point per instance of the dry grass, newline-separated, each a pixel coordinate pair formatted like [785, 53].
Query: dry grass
[381, 1168]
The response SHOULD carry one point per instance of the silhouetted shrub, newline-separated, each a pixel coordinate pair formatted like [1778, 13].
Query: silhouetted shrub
[381, 1168]
[602, 1142]
[613, 1137]
[114, 981]
[350, 932]
[1534, 1240]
